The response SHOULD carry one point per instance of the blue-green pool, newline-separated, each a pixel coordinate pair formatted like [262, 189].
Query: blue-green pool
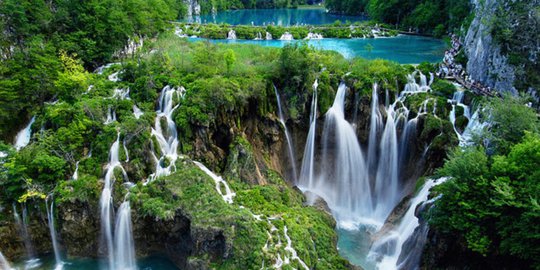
[402, 49]
[283, 17]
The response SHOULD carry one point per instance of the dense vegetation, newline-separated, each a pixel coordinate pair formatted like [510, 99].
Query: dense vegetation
[207, 5]
[36, 33]
[220, 31]
[491, 201]
[515, 28]
[435, 17]
[227, 85]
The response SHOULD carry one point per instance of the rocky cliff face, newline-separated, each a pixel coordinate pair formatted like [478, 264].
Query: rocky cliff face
[486, 62]
[502, 45]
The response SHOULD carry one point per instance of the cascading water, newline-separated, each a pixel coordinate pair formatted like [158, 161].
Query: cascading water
[124, 246]
[221, 186]
[308, 162]
[75, 175]
[387, 250]
[287, 136]
[268, 36]
[137, 112]
[23, 137]
[361, 195]
[106, 202]
[4, 264]
[386, 194]
[286, 36]
[374, 129]
[22, 224]
[168, 142]
[52, 230]
[231, 35]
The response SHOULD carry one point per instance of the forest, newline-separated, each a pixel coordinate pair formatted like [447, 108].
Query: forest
[112, 91]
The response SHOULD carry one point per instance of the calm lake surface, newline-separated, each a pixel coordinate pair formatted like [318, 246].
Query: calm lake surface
[283, 17]
[402, 49]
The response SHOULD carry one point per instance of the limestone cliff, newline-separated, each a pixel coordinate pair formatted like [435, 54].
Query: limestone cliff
[502, 45]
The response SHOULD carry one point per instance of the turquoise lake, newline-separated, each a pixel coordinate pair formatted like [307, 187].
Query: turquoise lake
[283, 17]
[402, 49]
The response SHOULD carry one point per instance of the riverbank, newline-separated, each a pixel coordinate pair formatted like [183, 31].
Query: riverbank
[272, 32]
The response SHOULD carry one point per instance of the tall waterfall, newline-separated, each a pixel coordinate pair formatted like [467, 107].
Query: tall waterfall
[106, 200]
[287, 136]
[342, 181]
[4, 264]
[23, 137]
[168, 139]
[386, 182]
[124, 246]
[22, 225]
[374, 129]
[32, 261]
[308, 162]
[52, 230]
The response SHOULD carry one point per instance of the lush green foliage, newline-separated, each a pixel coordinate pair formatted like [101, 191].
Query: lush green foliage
[220, 31]
[38, 36]
[207, 5]
[491, 201]
[427, 16]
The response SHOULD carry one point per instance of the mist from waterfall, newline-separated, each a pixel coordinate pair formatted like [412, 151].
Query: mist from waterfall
[23, 137]
[290, 148]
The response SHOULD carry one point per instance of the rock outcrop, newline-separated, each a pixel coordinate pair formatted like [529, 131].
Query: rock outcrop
[502, 45]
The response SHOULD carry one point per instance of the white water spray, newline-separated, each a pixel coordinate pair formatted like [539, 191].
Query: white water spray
[23, 137]
[287, 136]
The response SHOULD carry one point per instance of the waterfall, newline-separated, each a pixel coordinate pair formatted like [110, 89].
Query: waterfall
[388, 249]
[22, 225]
[111, 115]
[231, 34]
[168, 142]
[137, 112]
[106, 200]
[75, 175]
[308, 162]
[125, 150]
[52, 230]
[286, 36]
[221, 186]
[287, 136]
[343, 181]
[313, 36]
[258, 37]
[4, 264]
[268, 36]
[32, 261]
[386, 183]
[374, 128]
[124, 246]
[23, 137]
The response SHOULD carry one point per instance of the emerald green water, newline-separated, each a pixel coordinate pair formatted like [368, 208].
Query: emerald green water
[402, 49]
[283, 17]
